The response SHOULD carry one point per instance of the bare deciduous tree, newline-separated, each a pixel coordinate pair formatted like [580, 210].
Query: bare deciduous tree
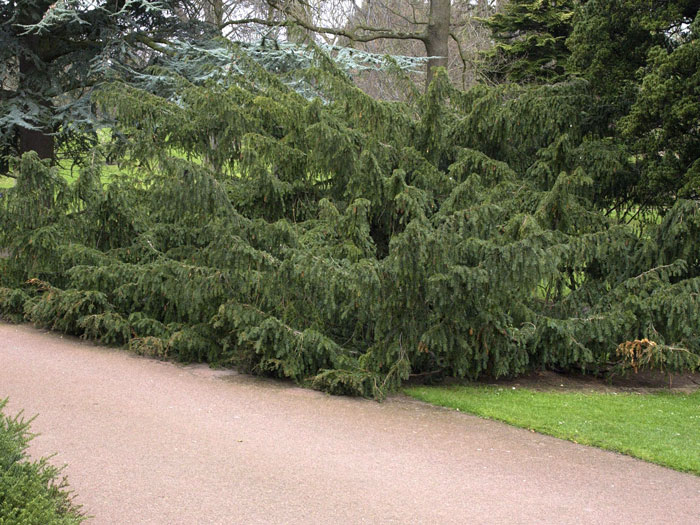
[445, 31]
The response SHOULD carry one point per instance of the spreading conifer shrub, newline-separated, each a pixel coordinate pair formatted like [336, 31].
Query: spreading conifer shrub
[348, 243]
[31, 492]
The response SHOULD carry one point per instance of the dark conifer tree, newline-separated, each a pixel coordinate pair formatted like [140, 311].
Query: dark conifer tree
[530, 41]
[52, 54]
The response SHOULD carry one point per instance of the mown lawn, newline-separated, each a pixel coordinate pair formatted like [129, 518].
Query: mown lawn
[70, 172]
[662, 428]
[6, 182]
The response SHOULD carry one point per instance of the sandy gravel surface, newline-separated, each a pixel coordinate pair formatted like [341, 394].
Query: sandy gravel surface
[152, 442]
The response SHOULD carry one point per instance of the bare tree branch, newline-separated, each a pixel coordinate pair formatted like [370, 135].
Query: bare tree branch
[372, 33]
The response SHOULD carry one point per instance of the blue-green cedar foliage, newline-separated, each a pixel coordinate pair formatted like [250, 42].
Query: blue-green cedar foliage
[53, 53]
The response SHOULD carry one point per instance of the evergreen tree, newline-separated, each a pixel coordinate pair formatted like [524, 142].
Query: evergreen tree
[52, 54]
[530, 41]
[271, 216]
[611, 41]
[347, 243]
[663, 122]
[619, 48]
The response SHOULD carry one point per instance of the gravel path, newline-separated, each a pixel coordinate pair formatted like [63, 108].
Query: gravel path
[153, 442]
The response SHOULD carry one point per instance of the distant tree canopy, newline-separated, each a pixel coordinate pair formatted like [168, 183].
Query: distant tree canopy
[427, 23]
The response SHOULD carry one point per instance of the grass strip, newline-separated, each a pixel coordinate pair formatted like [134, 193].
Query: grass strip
[663, 428]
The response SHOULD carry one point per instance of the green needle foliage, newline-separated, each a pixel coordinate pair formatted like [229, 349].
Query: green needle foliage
[530, 40]
[347, 243]
[55, 54]
[31, 492]
[663, 122]
[612, 40]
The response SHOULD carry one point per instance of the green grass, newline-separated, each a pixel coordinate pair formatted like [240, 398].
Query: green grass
[70, 173]
[6, 182]
[662, 428]
[70, 170]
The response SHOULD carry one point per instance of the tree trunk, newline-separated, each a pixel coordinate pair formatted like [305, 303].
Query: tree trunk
[214, 12]
[40, 141]
[437, 36]
[32, 140]
[298, 10]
